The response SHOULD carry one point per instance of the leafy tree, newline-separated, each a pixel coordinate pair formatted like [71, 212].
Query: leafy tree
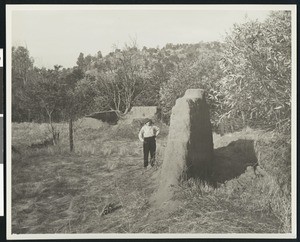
[22, 72]
[45, 93]
[257, 64]
[56, 93]
[80, 62]
[22, 64]
[199, 70]
[74, 100]
[85, 63]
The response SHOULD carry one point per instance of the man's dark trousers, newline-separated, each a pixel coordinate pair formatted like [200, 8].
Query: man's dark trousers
[149, 146]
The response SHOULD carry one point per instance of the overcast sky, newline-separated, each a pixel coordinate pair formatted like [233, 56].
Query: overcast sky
[57, 37]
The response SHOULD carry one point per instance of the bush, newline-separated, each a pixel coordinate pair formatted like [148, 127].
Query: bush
[257, 67]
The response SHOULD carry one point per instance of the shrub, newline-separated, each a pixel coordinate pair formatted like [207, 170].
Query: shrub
[257, 67]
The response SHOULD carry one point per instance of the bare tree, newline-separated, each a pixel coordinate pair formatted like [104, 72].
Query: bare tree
[120, 81]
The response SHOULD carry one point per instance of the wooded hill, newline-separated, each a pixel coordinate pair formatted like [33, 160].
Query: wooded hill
[247, 79]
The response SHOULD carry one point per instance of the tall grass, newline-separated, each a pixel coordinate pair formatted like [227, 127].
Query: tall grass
[75, 187]
[263, 189]
[91, 137]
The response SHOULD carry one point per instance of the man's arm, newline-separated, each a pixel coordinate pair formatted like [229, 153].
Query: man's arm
[141, 135]
[156, 130]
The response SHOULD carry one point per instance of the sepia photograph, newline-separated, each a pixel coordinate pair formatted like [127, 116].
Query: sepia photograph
[151, 121]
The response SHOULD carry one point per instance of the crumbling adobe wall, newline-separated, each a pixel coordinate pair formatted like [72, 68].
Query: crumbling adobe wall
[142, 112]
[138, 114]
[189, 151]
[200, 145]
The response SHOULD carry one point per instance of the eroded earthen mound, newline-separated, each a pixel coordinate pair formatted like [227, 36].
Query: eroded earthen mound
[189, 151]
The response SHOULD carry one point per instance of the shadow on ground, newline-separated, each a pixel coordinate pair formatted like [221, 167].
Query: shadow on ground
[232, 160]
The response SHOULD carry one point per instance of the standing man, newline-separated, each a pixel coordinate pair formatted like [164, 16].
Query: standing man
[147, 135]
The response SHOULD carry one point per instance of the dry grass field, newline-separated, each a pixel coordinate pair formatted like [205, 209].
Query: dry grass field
[100, 187]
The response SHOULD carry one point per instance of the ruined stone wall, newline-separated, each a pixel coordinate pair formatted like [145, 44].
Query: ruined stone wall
[142, 112]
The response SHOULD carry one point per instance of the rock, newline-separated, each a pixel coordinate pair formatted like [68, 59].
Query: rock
[250, 172]
[189, 151]
[260, 172]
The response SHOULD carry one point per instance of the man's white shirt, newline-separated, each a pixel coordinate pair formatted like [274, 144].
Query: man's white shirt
[148, 131]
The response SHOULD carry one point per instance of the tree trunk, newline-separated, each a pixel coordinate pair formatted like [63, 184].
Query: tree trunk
[127, 109]
[71, 135]
[28, 116]
[244, 120]
[54, 134]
